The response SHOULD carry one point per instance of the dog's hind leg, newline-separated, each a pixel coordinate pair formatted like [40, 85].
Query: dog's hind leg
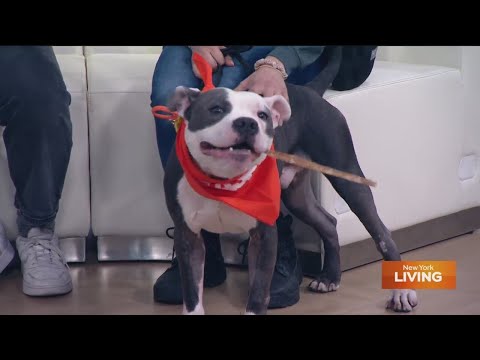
[190, 251]
[300, 200]
[329, 142]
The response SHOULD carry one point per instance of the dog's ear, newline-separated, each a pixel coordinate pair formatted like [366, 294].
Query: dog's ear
[280, 109]
[182, 99]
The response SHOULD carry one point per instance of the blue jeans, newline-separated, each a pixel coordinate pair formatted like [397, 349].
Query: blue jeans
[174, 68]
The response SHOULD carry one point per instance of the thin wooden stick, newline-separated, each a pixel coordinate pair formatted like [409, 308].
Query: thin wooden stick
[307, 164]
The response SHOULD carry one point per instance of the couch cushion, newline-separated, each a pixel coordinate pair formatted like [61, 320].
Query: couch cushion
[73, 71]
[408, 124]
[389, 73]
[126, 173]
[112, 73]
[68, 50]
[450, 56]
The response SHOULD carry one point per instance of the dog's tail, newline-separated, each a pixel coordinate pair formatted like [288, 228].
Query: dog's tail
[333, 58]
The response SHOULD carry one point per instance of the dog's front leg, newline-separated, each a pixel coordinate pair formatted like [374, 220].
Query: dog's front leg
[190, 251]
[262, 254]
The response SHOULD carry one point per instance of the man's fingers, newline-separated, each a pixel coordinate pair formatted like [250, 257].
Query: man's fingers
[212, 61]
[228, 58]
[218, 56]
[229, 61]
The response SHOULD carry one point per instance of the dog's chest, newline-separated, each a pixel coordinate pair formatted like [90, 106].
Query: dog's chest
[214, 216]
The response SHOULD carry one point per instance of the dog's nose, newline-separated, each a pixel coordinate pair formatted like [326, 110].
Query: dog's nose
[245, 126]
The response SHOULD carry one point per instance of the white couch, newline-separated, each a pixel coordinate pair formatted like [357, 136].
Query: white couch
[410, 123]
[415, 125]
[413, 131]
[73, 221]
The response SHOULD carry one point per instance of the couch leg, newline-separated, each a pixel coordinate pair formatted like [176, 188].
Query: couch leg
[74, 249]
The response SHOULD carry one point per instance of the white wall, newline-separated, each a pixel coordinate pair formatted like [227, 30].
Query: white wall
[450, 56]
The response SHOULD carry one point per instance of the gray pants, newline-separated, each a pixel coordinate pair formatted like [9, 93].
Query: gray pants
[34, 108]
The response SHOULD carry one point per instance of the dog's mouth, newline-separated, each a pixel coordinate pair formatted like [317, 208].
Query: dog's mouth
[240, 149]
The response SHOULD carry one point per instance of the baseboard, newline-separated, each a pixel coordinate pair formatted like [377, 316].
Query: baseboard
[138, 248]
[134, 248]
[407, 239]
[74, 249]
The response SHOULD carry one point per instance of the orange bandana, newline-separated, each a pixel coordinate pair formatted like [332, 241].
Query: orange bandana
[257, 196]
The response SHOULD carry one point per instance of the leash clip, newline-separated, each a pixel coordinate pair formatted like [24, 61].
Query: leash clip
[164, 113]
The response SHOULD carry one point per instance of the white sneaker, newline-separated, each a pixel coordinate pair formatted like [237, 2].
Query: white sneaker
[6, 250]
[45, 271]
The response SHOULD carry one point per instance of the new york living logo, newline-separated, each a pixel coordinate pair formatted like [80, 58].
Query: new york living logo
[419, 275]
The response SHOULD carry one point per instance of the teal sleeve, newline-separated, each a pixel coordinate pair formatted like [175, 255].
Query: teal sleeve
[296, 57]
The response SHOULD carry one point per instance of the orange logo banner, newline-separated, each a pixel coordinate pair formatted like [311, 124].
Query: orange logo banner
[419, 274]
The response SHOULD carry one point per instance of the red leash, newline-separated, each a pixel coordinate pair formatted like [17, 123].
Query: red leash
[205, 71]
[163, 112]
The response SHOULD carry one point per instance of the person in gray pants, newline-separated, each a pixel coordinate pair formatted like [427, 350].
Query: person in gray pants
[34, 109]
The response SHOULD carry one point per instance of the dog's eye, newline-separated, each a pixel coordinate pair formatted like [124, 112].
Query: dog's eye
[216, 110]
[262, 115]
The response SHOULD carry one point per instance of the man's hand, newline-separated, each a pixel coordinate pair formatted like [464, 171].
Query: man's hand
[265, 81]
[212, 55]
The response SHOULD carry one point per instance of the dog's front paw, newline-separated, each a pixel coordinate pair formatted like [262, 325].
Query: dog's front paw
[401, 300]
[198, 310]
[323, 284]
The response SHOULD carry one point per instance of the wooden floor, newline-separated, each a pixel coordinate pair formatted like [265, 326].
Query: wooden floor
[126, 288]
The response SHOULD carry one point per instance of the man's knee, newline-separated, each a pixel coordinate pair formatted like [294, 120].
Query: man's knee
[36, 90]
[161, 95]
[49, 109]
[232, 77]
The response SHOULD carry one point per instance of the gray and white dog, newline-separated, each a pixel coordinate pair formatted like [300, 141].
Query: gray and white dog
[227, 134]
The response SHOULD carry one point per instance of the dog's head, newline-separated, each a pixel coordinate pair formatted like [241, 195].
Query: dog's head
[228, 132]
